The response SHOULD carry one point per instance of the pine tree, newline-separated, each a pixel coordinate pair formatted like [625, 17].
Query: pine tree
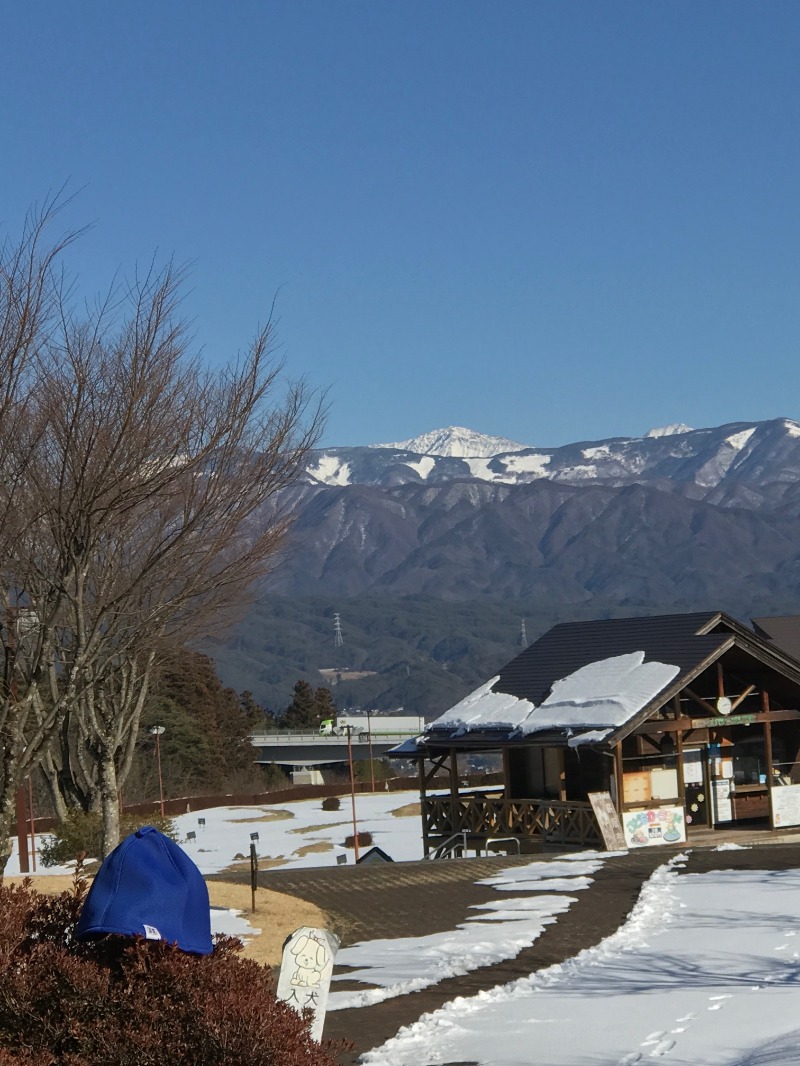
[303, 711]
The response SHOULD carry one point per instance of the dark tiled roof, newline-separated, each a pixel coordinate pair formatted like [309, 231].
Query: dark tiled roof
[676, 639]
[691, 642]
[783, 631]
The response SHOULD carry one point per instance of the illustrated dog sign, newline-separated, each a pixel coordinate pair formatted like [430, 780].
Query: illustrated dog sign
[306, 968]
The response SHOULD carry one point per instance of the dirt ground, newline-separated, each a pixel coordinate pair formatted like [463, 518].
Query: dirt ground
[277, 914]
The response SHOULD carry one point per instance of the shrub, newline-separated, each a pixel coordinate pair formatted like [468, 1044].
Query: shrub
[133, 1002]
[331, 803]
[364, 840]
[82, 833]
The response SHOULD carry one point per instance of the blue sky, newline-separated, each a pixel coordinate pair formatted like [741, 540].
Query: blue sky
[546, 221]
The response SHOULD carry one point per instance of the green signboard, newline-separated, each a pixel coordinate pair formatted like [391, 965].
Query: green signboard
[724, 719]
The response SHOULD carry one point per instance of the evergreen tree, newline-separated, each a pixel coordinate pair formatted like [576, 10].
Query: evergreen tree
[325, 704]
[303, 712]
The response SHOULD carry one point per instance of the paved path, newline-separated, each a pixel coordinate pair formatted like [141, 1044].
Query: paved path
[418, 898]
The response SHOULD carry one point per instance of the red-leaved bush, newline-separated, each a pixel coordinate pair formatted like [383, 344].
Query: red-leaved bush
[132, 1002]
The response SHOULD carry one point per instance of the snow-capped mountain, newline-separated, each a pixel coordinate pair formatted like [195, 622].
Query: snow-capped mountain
[701, 461]
[456, 441]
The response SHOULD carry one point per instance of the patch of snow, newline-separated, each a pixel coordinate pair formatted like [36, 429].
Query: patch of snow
[731, 847]
[792, 428]
[423, 467]
[231, 922]
[601, 694]
[602, 451]
[485, 708]
[528, 464]
[331, 471]
[579, 472]
[480, 468]
[738, 440]
[669, 431]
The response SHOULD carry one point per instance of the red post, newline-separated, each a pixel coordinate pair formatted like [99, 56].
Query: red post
[33, 823]
[352, 788]
[22, 831]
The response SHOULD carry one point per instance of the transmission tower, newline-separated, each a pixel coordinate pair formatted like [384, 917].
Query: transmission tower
[523, 636]
[337, 632]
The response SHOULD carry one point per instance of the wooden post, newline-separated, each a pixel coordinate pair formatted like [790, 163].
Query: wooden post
[618, 775]
[720, 680]
[562, 777]
[454, 784]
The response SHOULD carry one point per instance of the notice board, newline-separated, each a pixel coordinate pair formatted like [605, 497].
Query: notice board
[608, 821]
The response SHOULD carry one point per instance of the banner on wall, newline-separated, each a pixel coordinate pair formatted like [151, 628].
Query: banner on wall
[658, 825]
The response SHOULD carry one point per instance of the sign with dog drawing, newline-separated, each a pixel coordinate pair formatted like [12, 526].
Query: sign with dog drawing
[306, 968]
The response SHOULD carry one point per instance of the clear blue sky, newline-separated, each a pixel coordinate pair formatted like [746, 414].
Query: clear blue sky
[546, 221]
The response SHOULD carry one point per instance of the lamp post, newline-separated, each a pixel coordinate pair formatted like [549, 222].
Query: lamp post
[156, 731]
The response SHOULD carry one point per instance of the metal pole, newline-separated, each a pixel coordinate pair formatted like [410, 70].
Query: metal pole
[371, 764]
[156, 731]
[160, 779]
[352, 787]
[253, 874]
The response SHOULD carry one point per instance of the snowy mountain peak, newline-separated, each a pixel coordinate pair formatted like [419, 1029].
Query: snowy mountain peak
[456, 441]
[669, 431]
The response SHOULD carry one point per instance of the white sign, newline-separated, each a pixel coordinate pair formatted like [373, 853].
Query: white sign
[306, 968]
[785, 805]
[658, 825]
[723, 808]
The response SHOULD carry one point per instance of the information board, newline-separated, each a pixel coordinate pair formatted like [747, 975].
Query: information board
[608, 821]
[785, 805]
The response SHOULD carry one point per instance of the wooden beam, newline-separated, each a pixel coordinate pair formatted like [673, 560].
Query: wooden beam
[700, 701]
[618, 775]
[742, 697]
[435, 768]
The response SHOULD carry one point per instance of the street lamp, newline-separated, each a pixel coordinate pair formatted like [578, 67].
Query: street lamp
[156, 731]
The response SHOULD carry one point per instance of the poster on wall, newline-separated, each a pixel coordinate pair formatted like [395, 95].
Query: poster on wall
[659, 825]
[785, 805]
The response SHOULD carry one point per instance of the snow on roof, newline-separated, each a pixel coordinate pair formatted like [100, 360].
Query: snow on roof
[600, 697]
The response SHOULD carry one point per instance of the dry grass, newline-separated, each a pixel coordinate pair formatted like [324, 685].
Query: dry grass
[409, 810]
[276, 914]
[313, 849]
[317, 828]
[271, 816]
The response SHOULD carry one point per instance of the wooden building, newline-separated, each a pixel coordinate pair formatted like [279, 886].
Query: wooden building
[687, 721]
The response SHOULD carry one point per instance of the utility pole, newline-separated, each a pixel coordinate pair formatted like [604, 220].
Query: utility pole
[349, 729]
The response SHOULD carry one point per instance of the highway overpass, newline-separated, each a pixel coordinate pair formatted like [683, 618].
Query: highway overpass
[311, 749]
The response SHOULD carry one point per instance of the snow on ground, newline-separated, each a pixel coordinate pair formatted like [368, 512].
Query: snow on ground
[286, 831]
[705, 972]
[500, 930]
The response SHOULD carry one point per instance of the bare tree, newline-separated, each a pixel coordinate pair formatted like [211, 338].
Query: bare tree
[31, 293]
[150, 502]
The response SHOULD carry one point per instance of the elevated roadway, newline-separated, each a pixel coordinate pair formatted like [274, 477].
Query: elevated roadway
[311, 749]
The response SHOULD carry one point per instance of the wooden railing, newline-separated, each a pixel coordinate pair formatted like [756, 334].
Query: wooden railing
[481, 815]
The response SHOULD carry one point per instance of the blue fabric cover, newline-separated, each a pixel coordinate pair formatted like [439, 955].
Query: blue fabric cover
[149, 887]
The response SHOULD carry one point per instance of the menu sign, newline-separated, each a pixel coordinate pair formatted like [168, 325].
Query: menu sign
[785, 805]
[659, 825]
[608, 821]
